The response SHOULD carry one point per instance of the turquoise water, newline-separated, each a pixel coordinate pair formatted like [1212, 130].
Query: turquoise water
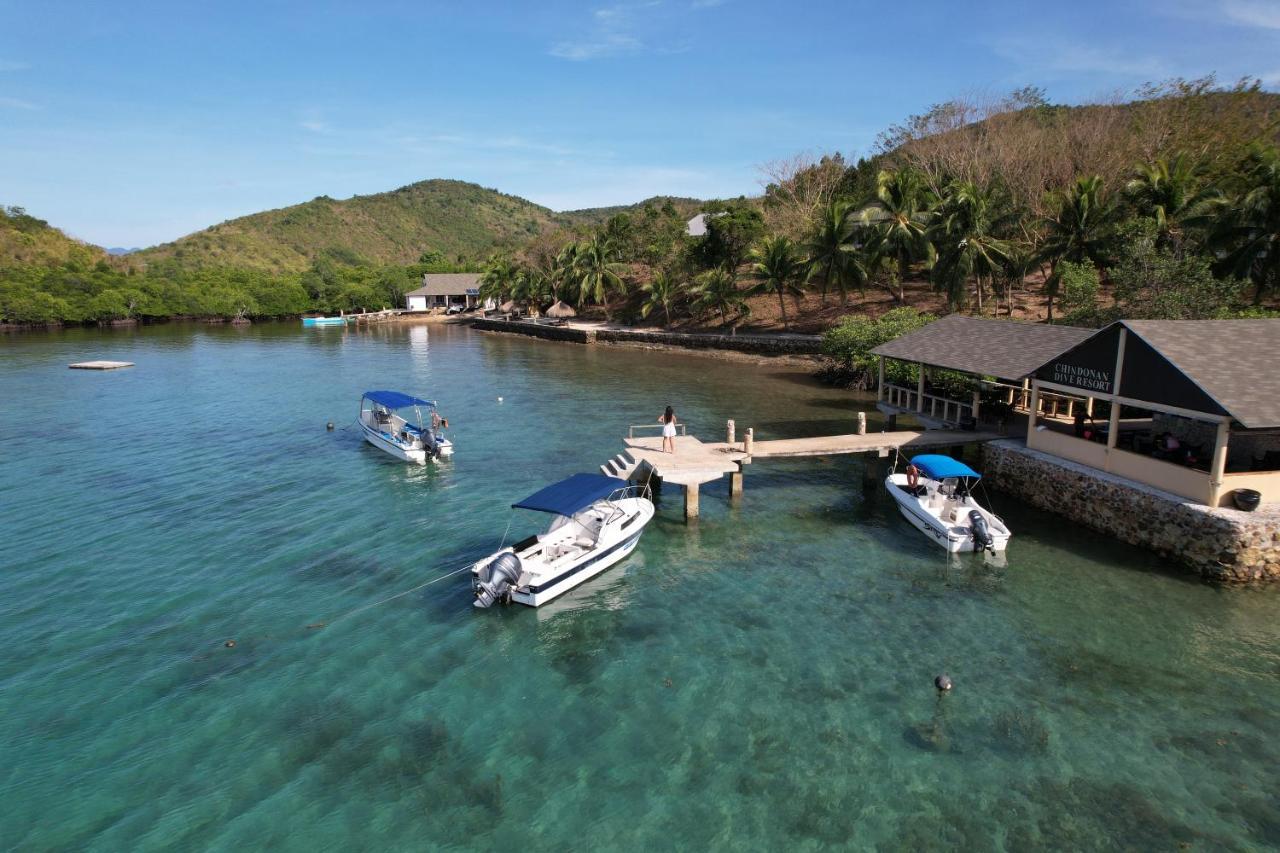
[762, 679]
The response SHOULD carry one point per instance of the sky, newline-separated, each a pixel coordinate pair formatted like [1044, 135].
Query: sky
[133, 123]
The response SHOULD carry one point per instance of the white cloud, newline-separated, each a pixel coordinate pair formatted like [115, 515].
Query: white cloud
[1068, 58]
[595, 48]
[1253, 13]
[314, 125]
[9, 65]
[17, 104]
[615, 30]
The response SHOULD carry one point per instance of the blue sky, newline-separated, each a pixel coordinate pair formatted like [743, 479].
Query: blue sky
[133, 123]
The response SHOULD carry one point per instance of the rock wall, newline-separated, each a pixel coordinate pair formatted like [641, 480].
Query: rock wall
[1222, 545]
[757, 344]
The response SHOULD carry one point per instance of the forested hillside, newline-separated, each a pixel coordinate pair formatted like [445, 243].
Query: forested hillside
[460, 221]
[1167, 205]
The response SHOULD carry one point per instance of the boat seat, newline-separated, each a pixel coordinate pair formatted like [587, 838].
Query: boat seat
[585, 542]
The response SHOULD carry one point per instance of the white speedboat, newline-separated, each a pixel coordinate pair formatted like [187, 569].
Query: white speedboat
[386, 423]
[940, 504]
[598, 521]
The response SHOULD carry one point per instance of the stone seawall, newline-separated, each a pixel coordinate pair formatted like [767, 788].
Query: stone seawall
[1222, 545]
[756, 344]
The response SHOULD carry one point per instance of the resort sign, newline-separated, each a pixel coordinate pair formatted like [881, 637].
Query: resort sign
[1083, 377]
[1089, 366]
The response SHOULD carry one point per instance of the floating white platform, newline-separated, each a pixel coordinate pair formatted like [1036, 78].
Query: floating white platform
[100, 365]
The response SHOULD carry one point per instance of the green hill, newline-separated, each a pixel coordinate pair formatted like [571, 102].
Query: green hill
[454, 218]
[26, 241]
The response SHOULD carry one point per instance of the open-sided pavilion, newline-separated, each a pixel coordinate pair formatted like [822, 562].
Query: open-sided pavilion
[1190, 407]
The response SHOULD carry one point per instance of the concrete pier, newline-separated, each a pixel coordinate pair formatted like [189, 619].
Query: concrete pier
[695, 462]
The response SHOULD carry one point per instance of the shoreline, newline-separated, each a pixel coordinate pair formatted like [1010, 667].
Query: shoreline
[793, 351]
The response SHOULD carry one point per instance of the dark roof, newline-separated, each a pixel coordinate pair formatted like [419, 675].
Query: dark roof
[1005, 349]
[1236, 362]
[447, 284]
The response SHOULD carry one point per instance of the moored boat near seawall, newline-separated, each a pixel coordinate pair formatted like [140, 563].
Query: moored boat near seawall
[598, 521]
[939, 502]
[408, 440]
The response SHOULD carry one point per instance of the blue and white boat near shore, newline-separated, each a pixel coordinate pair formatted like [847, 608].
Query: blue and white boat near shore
[597, 522]
[408, 428]
[942, 506]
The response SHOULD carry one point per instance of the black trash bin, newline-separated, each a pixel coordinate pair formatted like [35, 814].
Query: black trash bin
[1246, 499]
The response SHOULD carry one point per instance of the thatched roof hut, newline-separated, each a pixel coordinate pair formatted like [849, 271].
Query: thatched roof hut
[561, 311]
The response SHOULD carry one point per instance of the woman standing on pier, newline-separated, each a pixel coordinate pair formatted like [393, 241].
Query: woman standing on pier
[668, 421]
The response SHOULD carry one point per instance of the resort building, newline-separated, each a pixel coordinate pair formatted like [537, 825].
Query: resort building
[441, 291]
[1164, 434]
[1188, 407]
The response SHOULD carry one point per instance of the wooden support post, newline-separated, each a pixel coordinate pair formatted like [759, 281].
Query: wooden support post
[735, 483]
[691, 501]
[920, 392]
[977, 400]
[880, 385]
[1031, 411]
[1219, 467]
[862, 423]
[730, 432]
[749, 443]
[1088, 406]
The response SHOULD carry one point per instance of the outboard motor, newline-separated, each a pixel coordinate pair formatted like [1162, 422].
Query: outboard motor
[981, 533]
[496, 579]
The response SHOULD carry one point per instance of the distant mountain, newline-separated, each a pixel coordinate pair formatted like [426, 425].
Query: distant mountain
[28, 241]
[451, 217]
[119, 251]
[597, 215]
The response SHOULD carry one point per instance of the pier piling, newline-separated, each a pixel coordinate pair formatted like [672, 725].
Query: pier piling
[862, 423]
[690, 501]
[730, 432]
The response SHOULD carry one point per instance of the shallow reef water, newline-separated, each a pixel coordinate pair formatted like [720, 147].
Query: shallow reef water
[762, 678]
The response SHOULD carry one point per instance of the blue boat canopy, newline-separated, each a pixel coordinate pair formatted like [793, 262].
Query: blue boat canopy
[568, 496]
[395, 400]
[938, 467]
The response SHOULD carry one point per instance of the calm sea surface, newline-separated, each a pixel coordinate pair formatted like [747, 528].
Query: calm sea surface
[762, 679]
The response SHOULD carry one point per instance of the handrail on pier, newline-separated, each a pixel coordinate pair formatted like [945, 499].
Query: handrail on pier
[631, 430]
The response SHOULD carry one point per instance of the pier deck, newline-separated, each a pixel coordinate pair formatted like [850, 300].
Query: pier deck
[696, 462]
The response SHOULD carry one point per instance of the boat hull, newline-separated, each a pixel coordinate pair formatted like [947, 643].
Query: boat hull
[954, 537]
[324, 321]
[542, 587]
[387, 445]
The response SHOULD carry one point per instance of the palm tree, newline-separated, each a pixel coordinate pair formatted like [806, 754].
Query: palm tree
[1081, 228]
[1172, 193]
[660, 292]
[833, 254]
[499, 279]
[563, 274]
[904, 203]
[966, 234]
[1247, 235]
[596, 272]
[779, 267]
[718, 291]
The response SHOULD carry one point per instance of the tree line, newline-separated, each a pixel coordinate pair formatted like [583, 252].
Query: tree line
[980, 201]
[83, 290]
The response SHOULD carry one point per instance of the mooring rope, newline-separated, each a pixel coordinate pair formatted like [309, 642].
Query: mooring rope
[364, 607]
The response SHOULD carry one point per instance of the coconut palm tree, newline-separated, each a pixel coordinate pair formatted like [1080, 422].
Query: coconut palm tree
[563, 274]
[834, 256]
[1247, 233]
[660, 292]
[1172, 193]
[1080, 228]
[901, 214]
[967, 234]
[779, 268]
[499, 279]
[597, 273]
[717, 290]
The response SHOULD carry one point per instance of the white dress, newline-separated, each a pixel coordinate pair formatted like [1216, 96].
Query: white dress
[669, 429]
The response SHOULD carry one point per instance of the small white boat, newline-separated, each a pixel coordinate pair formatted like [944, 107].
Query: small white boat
[598, 521]
[324, 321]
[408, 440]
[942, 506]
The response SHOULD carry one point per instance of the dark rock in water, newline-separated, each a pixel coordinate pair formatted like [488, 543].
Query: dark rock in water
[942, 682]
[329, 426]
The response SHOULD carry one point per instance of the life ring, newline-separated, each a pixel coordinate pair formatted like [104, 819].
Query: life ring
[913, 476]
